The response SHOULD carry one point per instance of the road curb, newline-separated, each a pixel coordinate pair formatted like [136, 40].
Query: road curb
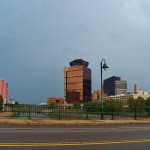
[43, 122]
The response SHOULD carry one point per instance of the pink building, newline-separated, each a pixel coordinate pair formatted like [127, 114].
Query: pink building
[4, 90]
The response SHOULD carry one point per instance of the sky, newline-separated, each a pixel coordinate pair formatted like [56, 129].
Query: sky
[38, 38]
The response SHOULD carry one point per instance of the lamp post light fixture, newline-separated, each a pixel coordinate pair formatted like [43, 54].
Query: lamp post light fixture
[103, 66]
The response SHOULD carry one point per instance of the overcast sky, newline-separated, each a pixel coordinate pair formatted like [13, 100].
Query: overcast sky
[38, 38]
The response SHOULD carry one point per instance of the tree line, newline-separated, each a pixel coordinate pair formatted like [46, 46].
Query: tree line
[130, 103]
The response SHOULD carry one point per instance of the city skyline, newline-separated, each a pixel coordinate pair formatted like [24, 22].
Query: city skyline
[38, 38]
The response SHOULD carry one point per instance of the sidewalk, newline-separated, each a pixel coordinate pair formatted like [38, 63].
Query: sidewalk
[46, 122]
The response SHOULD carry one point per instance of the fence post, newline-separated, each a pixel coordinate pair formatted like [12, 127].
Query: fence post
[102, 113]
[112, 114]
[135, 113]
[59, 115]
[29, 117]
[87, 114]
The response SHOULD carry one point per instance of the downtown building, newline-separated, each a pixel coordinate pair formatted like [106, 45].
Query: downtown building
[77, 82]
[4, 90]
[115, 86]
[123, 96]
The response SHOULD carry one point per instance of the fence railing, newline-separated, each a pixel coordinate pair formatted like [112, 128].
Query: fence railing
[81, 113]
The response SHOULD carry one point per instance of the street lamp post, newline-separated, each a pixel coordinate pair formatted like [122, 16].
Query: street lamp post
[66, 84]
[103, 66]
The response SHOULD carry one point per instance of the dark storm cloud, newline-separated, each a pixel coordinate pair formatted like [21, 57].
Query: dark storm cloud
[38, 38]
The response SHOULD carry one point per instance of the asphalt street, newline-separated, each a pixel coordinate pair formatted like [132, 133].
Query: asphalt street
[75, 137]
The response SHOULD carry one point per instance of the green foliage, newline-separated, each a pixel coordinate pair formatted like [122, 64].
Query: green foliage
[139, 102]
[113, 105]
[9, 105]
[16, 103]
[147, 103]
[76, 105]
[131, 102]
[109, 106]
[1, 99]
[93, 103]
[92, 106]
[1, 103]
[53, 105]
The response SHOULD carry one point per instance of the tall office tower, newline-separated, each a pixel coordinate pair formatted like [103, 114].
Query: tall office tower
[77, 82]
[136, 88]
[4, 90]
[115, 86]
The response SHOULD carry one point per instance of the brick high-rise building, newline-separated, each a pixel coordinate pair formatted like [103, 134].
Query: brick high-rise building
[77, 82]
[4, 90]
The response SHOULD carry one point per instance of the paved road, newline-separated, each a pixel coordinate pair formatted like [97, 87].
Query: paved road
[82, 138]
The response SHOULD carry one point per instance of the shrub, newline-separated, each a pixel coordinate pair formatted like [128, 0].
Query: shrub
[113, 105]
[76, 105]
[53, 105]
[92, 106]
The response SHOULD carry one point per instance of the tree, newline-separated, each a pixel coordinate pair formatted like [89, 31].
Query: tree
[92, 106]
[16, 103]
[131, 102]
[147, 104]
[113, 105]
[1, 103]
[76, 105]
[137, 105]
[53, 105]
[139, 102]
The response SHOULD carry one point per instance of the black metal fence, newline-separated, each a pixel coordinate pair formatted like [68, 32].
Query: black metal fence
[80, 113]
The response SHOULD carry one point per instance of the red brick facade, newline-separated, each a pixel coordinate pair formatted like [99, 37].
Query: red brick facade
[77, 82]
[55, 99]
[4, 90]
